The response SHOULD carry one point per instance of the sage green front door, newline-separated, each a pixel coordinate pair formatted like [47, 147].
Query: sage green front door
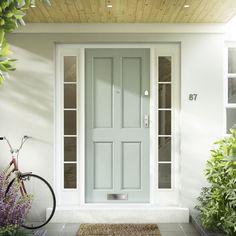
[117, 125]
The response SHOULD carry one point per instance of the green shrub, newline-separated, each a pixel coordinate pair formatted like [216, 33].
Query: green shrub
[217, 203]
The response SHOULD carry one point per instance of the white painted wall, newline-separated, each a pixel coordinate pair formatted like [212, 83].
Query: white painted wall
[201, 121]
[27, 99]
[26, 107]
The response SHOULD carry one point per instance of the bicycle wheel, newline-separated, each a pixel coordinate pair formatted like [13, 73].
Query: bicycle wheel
[43, 202]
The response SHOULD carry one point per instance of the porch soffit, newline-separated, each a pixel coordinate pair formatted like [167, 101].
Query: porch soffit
[133, 11]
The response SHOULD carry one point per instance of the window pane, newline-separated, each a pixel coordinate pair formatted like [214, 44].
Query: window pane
[232, 60]
[69, 122]
[231, 118]
[70, 149]
[164, 69]
[164, 149]
[70, 96]
[232, 90]
[164, 173]
[164, 122]
[69, 175]
[70, 68]
[164, 95]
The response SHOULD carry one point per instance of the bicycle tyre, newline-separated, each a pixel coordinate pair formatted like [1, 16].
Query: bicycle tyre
[29, 176]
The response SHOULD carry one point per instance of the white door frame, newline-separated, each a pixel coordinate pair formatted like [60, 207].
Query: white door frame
[77, 196]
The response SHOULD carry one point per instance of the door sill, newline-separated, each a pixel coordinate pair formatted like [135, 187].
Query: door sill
[116, 205]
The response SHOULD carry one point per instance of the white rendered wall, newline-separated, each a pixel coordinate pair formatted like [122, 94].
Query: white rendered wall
[27, 99]
[26, 108]
[201, 120]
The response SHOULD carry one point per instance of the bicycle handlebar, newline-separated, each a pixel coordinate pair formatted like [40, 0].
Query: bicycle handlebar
[23, 140]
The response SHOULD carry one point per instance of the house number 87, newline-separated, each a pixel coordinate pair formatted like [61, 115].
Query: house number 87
[192, 97]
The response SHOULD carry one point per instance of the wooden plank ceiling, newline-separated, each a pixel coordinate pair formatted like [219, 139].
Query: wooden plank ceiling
[133, 11]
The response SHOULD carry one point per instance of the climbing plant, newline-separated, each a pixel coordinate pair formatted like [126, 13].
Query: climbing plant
[11, 16]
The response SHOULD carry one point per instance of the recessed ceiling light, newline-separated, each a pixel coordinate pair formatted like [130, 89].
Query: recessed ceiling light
[186, 6]
[109, 5]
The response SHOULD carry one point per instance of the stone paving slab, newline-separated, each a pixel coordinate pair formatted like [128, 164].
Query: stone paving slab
[196, 223]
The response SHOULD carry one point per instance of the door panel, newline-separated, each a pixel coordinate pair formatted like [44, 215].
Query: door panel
[103, 165]
[102, 92]
[117, 142]
[131, 86]
[131, 165]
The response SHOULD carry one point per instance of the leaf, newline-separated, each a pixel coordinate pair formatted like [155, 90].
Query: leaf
[20, 3]
[19, 14]
[4, 51]
[1, 78]
[3, 68]
[12, 60]
[21, 22]
[2, 34]
[10, 25]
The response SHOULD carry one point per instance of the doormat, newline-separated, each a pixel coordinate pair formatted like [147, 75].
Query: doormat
[118, 230]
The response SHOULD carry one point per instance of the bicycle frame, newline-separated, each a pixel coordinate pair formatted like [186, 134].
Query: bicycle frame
[13, 164]
[18, 175]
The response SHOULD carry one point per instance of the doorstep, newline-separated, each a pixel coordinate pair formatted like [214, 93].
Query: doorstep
[121, 214]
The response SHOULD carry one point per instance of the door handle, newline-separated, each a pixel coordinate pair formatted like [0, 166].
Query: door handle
[146, 121]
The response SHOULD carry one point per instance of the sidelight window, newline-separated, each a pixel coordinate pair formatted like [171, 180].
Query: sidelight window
[70, 117]
[231, 89]
[164, 88]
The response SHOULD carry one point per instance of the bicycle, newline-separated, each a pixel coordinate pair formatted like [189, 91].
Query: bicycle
[31, 184]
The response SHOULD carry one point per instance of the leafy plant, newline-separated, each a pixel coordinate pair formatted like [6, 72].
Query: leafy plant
[13, 231]
[11, 15]
[217, 203]
[13, 206]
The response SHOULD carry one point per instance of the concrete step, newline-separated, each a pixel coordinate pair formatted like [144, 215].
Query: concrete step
[121, 214]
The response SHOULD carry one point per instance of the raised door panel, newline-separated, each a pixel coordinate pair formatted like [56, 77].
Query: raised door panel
[103, 165]
[102, 92]
[131, 165]
[131, 91]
